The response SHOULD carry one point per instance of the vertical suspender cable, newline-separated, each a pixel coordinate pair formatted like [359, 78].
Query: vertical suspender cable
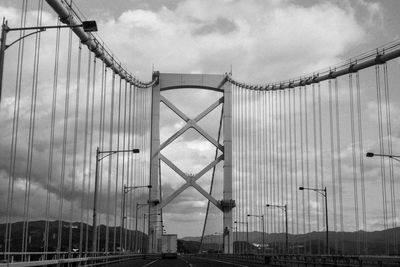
[302, 164]
[280, 166]
[361, 164]
[242, 160]
[274, 174]
[321, 149]
[123, 182]
[91, 145]
[117, 169]
[251, 150]
[339, 163]
[353, 150]
[31, 135]
[296, 177]
[265, 152]
[390, 151]
[128, 181]
[100, 172]
[333, 168]
[264, 158]
[248, 158]
[246, 154]
[257, 167]
[382, 151]
[316, 181]
[51, 143]
[101, 144]
[256, 135]
[307, 163]
[234, 163]
[270, 160]
[110, 163]
[291, 170]
[286, 163]
[136, 120]
[64, 145]
[239, 153]
[71, 215]
[138, 114]
[85, 145]
[277, 165]
[15, 128]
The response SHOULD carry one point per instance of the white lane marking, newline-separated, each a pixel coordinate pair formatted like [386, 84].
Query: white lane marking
[150, 263]
[227, 262]
[188, 263]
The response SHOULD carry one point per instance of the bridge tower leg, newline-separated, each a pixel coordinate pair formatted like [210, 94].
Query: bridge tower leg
[154, 234]
[227, 203]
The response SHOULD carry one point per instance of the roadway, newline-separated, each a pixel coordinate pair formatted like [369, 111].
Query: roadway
[183, 261]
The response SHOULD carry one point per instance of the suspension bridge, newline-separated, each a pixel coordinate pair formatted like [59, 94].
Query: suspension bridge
[299, 172]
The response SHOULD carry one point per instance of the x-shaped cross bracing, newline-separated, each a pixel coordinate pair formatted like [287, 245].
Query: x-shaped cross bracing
[191, 123]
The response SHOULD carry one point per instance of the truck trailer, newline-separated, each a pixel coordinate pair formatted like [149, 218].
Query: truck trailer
[169, 246]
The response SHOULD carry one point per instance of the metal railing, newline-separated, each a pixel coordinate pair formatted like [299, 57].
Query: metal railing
[309, 260]
[69, 259]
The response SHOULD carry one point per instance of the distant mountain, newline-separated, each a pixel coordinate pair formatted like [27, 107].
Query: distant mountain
[36, 236]
[377, 242]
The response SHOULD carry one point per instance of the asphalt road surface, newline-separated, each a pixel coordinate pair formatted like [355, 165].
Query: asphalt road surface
[182, 261]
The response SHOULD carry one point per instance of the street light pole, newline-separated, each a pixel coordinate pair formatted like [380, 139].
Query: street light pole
[247, 236]
[284, 208]
[287, 230]
[263, 228]
[127, 189]
[88, 26]
[136, 224]
[247, 232]
[144, 229]
[96, 185]
[323, 192]
[3, 48]
[371, 154]
[326, 220]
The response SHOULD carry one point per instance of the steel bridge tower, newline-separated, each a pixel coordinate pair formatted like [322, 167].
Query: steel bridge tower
[169, 81]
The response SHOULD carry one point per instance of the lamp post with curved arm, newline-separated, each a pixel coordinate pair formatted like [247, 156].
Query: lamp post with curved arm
[128, 189]
[106, 153]
[372, 154]
[88, 26]
[136, 225]
[284, 208]
[263, 228]
[247, 232]
[323, 193]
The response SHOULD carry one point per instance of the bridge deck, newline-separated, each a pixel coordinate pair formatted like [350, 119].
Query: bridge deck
[184, 261]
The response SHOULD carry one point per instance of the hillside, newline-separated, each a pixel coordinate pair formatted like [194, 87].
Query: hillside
[36, 236]
[339, 242]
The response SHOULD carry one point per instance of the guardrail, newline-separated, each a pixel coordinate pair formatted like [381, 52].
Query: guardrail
[310, 260]
[70, 259]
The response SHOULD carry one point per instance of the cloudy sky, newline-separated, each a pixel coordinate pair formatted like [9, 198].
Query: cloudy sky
[260, 41]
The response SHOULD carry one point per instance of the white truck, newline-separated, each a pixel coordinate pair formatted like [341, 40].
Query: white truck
[169, 246]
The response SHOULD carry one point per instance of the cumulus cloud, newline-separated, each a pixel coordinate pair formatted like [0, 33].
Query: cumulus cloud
[246, 35]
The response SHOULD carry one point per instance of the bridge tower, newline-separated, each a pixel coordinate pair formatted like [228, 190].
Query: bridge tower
[169, 81]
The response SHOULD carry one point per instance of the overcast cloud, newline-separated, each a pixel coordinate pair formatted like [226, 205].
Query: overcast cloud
[261, 41]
